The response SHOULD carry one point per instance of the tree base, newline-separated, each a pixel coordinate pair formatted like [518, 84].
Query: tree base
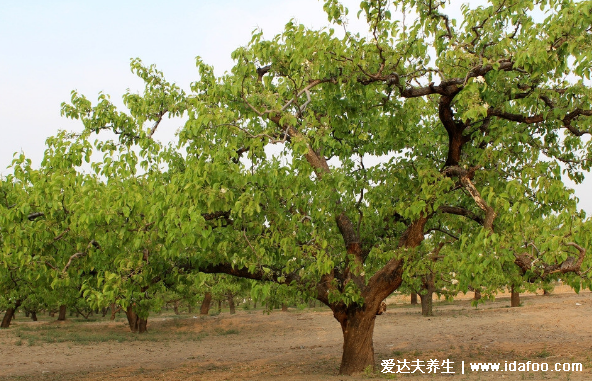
[136, 323]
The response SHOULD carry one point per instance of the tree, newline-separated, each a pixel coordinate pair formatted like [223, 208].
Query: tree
[386, 147]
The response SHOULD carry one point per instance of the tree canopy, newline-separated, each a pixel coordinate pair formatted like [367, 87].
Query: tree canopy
[428, 140]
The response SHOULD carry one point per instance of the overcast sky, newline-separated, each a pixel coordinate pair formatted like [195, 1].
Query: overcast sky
[49, 48]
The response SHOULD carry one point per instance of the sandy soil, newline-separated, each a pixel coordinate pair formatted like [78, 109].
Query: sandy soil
[305, 345]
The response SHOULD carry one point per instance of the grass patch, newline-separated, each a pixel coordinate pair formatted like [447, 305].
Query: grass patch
[543, 354]
[224, 332]
[78, 334]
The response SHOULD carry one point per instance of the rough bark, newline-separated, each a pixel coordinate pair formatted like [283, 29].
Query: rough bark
[136, 323]
[413, 298]
[62, 314]
[9, 315]
[205, 304]
[358, 349]
[514, 298]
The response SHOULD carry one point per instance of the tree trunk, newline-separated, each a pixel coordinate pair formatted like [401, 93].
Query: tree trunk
[414, 298]
[426, 295]
[114, 309]
[357, 326]
[34, 315]
[205, 304]
[426, 303]
[546, 293]
[136, 323]
[284, 307]
[142, 325]
[219, 306]
[176, 307]
[514, 298]
[62, 314]
[9, 315]
[231, 304]
[27, 312]
[477, 295]
[7, 318]
[255, 305]
[104, 311]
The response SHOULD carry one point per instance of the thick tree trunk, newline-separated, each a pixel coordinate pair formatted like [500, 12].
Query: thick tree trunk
[284, 307]
[477, 295]
[9, 315]
[27, 312]
[413, 298]
[358, 348]
[34, 315]
[426, 304]
[205, 304]
[136, 323]
[514, 298]
[231, 304]
[7, 318]
[62, 314]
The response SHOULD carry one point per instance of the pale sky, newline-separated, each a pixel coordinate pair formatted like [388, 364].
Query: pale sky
[49, 48]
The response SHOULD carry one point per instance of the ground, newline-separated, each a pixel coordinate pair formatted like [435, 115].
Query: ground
[306, 344]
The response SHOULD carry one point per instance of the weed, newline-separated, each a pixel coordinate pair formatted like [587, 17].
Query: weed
[543, 354]
[369, 371]
[223, 332]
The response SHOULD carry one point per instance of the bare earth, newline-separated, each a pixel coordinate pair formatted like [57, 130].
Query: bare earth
[306, 345]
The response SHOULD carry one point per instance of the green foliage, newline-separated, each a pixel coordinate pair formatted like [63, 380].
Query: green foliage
[335, 167]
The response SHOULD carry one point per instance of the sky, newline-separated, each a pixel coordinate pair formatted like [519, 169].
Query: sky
[49, 48]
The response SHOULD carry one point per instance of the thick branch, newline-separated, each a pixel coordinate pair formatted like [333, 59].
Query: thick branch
[572, 264]
[34, 216]
[80, 254]
[461, 212]
[465, 180]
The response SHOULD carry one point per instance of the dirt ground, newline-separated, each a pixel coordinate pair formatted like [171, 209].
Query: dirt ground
[306, 345]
